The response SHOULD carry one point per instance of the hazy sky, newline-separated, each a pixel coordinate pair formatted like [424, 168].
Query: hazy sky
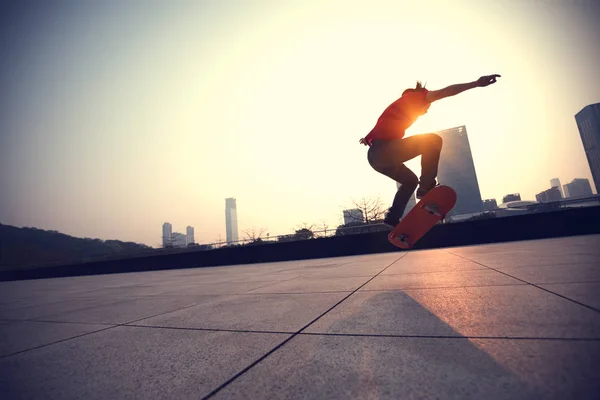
[119, 115]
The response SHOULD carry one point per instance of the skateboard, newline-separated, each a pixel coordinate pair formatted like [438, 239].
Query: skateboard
[431, 209]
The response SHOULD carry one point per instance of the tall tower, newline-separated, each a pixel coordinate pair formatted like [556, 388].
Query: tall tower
[167, 234]
[457, 170]
[588, 123]
[189, 235]
[578, 188]
[555, 182]
[231, 223]
[354, 215]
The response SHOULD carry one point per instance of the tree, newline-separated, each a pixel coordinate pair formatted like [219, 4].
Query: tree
[304, 231]
[304, 225]
[254, 235]
[323, 227]
[372, 209]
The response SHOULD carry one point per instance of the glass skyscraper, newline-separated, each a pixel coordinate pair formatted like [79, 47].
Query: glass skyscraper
[588, 122]
[457, 170]
[231, 224]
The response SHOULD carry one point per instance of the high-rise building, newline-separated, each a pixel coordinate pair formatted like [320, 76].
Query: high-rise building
[412, 201]
[231, 223]
[511, 197]
[555, 182]
[179, 239]
[578, 188]
[490, 204]
[354, 215]
[190, 234]
[457, 170]
[167, 234]
[552, 194]
[588, 123]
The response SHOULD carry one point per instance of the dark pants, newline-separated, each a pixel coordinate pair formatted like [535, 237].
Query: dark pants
[388, 157]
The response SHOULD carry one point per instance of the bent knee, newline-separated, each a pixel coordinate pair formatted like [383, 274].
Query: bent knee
[436, 141]
[409, 181]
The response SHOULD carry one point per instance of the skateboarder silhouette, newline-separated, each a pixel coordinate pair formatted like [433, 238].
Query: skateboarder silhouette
[389, 150]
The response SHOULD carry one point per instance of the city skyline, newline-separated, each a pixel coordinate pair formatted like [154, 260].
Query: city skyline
[176, 239]
[118, 116]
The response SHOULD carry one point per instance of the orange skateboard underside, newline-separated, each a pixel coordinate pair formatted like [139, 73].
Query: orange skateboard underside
[432, 208]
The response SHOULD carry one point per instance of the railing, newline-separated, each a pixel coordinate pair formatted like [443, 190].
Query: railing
[341, 230]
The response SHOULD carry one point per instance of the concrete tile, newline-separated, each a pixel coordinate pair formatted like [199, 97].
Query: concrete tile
[17, 336]
[494, 311]
[132, 290]
[30, 302]
[311, 284]
[261, 312]
[338, 367]
[460, 278]
[349, 271]
[229, 288]
[437, 261]
[561, 245]
[564, 273]
[381, 313]
[130, 362]
[587, 293]
[127, 310]
[556, 369]
[359, 266]
[65, 306]
[534, 258]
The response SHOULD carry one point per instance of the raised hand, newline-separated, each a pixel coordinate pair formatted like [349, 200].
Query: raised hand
[487, 80]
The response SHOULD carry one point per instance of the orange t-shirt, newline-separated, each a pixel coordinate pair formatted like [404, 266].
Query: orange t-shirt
[399, 116]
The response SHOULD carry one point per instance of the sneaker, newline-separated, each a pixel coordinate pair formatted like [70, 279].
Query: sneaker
[422, 190]
[390, 220]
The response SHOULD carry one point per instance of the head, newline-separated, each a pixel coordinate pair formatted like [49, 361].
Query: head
[418, 88]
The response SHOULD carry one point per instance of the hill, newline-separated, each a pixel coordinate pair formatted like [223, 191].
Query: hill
[32, 246]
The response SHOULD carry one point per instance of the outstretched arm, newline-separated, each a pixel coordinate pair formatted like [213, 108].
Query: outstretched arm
[453, 90]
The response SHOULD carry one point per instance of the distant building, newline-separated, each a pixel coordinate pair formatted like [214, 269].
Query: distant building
[457, 170]
[354, 215]
[555, 182]
[578, 188]
[515, 207]
[231, 223]
[588, 123]
[412, 201]
[490, 204]
[511, 197]
[179, 240]
[167, 231]
[190, 235]
[552, 194]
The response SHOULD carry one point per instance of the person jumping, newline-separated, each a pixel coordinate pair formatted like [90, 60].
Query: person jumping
[389, 150]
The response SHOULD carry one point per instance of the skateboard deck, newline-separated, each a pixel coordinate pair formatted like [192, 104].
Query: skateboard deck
[431, 209]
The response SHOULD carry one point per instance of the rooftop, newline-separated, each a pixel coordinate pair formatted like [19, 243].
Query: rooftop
[517, 320]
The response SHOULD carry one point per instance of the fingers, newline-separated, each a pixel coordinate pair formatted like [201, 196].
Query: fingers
[488, 79]
[492, 78]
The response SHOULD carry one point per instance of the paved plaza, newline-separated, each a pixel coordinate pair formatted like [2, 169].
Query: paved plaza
[512, 321]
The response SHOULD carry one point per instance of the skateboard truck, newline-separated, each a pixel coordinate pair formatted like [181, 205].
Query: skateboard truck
[402, 238]
[432, 208]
